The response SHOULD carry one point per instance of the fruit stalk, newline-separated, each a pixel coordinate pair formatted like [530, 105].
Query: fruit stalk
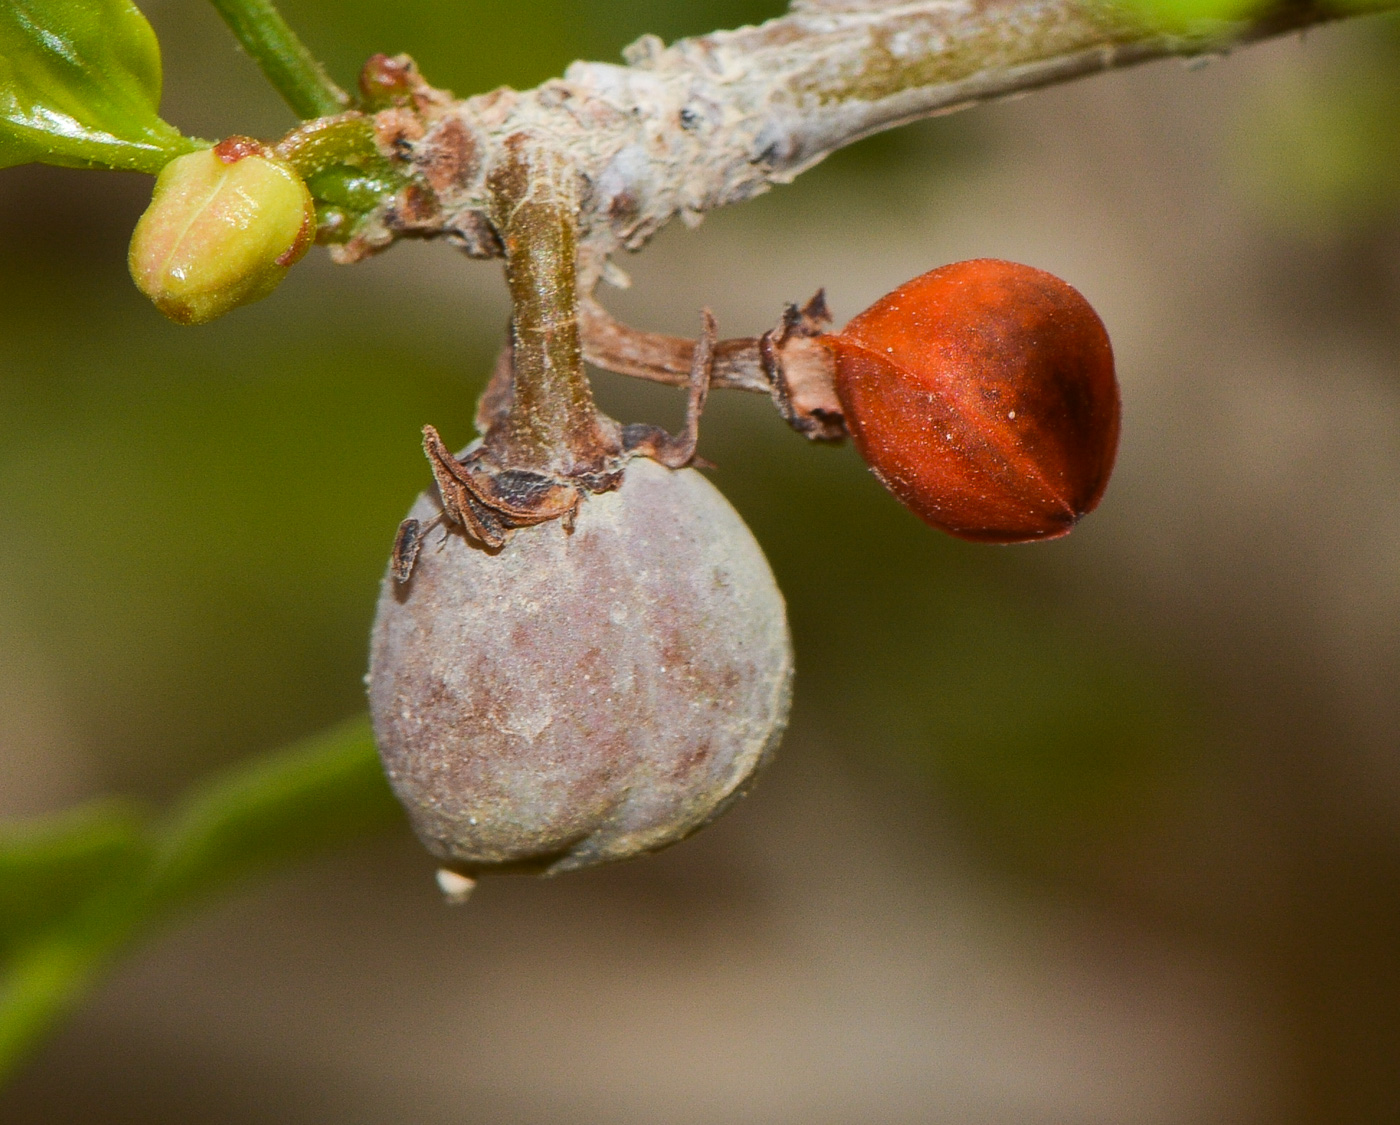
[552, 425]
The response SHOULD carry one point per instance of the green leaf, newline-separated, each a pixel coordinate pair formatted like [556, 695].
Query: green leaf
[50, 867]
[322, 791]
[68, 890]
[80, 86]
[77, 889]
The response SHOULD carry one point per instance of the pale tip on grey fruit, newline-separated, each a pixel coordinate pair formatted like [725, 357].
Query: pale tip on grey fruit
[456, 889]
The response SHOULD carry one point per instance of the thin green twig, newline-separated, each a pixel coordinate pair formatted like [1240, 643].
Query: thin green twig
[291, 68]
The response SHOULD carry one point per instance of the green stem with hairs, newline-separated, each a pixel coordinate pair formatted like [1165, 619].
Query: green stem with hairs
[293, 70]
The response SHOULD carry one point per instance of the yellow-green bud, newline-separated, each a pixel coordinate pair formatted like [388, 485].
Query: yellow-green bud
[223, 227]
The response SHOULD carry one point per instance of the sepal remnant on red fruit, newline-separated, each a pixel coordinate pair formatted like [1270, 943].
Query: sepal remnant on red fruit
[224, 226]
[982, 394]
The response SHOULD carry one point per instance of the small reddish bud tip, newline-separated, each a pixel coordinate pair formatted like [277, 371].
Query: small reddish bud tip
[982, 394]
[233, 149]
[383, 79]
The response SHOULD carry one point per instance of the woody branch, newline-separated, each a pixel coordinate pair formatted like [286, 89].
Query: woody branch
[720, 118]
[681, 130]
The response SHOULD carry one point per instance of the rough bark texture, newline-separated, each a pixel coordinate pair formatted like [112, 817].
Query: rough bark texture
[581, 697]
[720, 118]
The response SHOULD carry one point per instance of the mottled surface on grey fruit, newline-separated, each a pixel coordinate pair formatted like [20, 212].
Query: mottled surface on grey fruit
[580, 697]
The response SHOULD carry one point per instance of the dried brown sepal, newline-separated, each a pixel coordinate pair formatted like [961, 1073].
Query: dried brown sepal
[407, 543]
[489, 502]
[800, 375]
[676, 451]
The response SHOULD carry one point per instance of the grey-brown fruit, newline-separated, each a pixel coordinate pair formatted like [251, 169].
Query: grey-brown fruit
[581, 697]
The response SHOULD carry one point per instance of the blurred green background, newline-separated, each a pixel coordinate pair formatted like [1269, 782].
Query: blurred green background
[1144, 778]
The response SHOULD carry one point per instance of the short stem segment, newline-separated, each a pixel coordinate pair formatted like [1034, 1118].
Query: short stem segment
[289, 66]
[552, 425]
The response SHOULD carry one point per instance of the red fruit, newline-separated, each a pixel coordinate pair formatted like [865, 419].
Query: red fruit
[982, 395]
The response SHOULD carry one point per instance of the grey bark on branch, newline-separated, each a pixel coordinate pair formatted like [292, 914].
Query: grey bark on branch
[720, 118]
[705, 122]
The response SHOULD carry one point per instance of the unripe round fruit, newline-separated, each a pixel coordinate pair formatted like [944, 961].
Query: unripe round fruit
[581, 696]
[224, 226]
[982, 394]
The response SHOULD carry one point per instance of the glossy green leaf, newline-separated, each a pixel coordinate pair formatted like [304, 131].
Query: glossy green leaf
[80, 86]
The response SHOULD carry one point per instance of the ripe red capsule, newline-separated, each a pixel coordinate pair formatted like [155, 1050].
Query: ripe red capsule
[982, 395]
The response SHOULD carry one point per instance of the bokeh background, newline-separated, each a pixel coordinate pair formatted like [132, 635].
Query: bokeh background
[1097, 831]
